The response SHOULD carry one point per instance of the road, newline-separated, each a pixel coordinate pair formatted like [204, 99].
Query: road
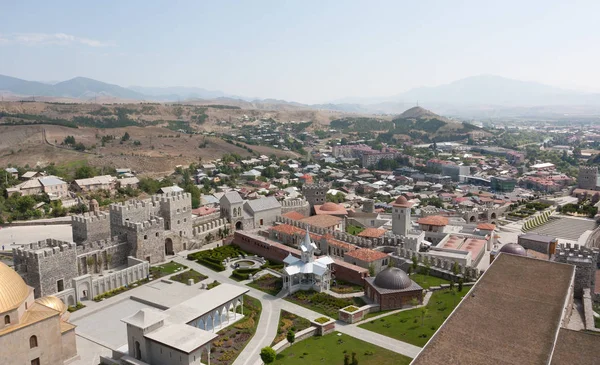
[269, 320]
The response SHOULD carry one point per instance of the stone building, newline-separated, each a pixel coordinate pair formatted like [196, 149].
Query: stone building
[392, 289]
[588, 178]
[316, 194]
[32, 331]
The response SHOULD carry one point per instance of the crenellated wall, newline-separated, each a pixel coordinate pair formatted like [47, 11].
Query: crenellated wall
[89, 227]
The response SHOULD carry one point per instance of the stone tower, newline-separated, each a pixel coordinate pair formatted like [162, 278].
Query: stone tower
[401, 216]
[315, 194]
[588, 177]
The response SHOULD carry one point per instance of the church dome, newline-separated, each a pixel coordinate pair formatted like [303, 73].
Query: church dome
[514, 249]
[330, 207]
[13, 290]
[392, 278]
[53, 302]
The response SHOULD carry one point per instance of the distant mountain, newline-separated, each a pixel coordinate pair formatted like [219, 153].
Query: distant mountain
[496, 90]
[78, 87]
[178, 92]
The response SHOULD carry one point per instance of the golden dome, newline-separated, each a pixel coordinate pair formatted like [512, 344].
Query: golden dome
[13, 290]
[53, 302]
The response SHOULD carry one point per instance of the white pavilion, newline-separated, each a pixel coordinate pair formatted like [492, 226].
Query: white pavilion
[307, 272]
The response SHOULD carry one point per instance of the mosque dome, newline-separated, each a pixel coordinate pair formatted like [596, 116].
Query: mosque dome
[401, 201]
[13, 290]
[392, 278]
[53, 302]
[514, 249]
[330, 207]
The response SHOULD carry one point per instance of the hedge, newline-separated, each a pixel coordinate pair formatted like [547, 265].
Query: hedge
[211, 265]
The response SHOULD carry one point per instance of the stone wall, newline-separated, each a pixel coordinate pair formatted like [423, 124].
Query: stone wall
[136, 270]
[585, 261]
[299, 205]
[301, 335]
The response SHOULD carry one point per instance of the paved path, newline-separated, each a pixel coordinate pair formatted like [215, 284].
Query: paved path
[269, 321]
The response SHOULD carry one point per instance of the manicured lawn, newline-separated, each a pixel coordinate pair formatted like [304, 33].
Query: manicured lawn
[159, 271]
[427, 280]
[409, 326]
[289, 321]
[342, 287]
[270, 284]
[330, 350]
[323, 303]
[233, 339]
[354, 230]
[190, 274]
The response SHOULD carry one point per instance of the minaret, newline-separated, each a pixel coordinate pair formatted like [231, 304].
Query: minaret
[401, 216]
[307, 247]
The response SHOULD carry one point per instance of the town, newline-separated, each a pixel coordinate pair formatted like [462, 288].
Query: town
[380, 241]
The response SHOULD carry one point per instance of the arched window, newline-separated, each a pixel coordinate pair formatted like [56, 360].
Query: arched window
[7, 319]
[33, 342]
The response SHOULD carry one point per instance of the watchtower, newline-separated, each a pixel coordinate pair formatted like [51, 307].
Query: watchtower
[315, 194]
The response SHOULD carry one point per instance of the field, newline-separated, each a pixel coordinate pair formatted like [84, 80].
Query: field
[414, 326]
[330, 349]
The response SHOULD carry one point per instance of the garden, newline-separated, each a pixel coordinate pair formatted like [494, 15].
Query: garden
[214, 284]
[584, 209]
[342, 287]
[213, 258]
[289, 322]
[232, 340]
[76, 307]
[186, 275]
[169, 268]
[323, 303]
[416, 326]
[333, 348]
[268, 283]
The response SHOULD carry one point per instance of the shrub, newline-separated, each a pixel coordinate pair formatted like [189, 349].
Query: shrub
[268, 355]
[291, 336]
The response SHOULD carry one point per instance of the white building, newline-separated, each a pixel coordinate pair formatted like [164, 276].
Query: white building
[307, 272]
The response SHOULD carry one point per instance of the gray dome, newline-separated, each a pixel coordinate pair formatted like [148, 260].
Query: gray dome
[392, 278]
[514, 249]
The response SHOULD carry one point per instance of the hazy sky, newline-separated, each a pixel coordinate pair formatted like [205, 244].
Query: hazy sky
[308, 51]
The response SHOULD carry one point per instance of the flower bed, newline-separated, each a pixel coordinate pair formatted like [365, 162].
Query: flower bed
[214, 284]
[232, 340]
[268, 283]
[322, 320]
[190, 274]
[322, 302]
[351, 308]
[342, 287]
[76, 307]
[287, 322]
[112, 293]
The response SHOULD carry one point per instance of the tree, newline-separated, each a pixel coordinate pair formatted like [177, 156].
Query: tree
[209, 237]
[125, 137]
[291, 336]
[354, 359]
[455, 268]
[69, 140]
[267, 354]
[85, 172]
[415, 263]
[371, 270]
[452, 284]
[424, 311]
[460, 284]
[346, 359]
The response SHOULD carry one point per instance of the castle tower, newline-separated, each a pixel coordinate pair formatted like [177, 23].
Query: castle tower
[588, 177]
[401, 216]
[315, 194]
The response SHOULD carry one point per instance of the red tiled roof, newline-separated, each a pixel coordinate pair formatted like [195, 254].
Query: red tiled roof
[372, 233]
[486, 226]
[294, 216]
[366, 254]
[322, 221]
[434, 220]
[340, 244]
[287, 229]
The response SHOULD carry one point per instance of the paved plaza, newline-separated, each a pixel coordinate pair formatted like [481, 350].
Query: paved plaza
[566, 228]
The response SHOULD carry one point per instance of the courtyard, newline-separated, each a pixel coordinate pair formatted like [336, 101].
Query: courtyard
[416, 326]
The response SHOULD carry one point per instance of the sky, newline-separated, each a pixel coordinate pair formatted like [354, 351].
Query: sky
[305, 51]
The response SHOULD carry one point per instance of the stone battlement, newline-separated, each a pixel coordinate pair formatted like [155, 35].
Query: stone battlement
[566, 251]
[154, 222]
[45, 248]
[175, 196]
[315, 186]
[132, 205]
[98, 245]
[90, 217]
[588, 169]
[297, 202]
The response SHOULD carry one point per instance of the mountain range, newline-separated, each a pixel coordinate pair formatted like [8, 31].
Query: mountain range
[477, 94]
